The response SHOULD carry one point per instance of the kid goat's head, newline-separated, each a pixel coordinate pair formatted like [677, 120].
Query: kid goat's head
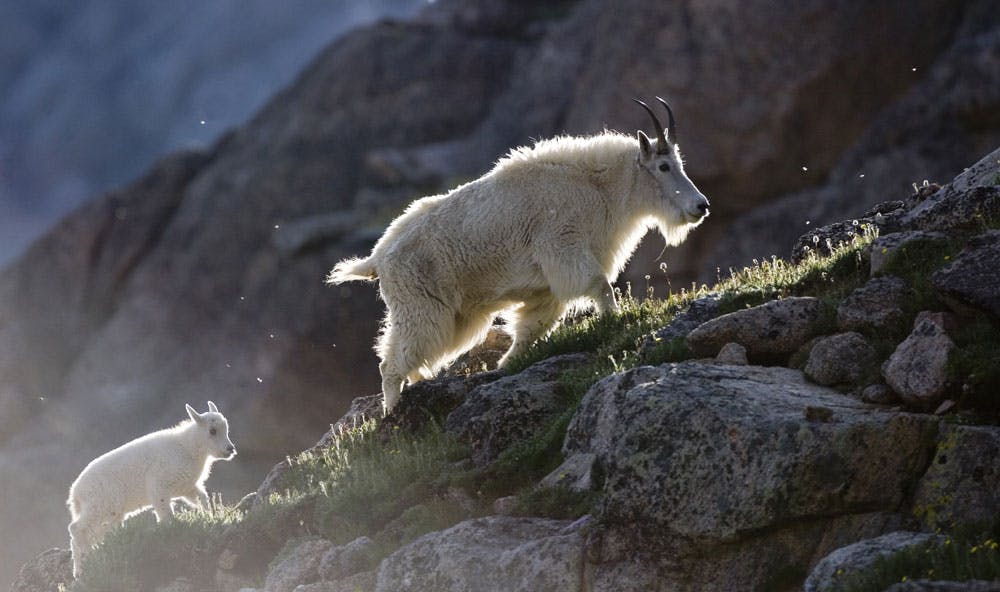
[214, 429]
[680, 201]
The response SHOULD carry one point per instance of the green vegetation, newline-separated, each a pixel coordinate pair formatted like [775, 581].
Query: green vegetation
[143, 554]
[958, 558]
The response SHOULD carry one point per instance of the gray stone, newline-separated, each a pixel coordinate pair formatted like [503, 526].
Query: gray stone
[512, 409]
[962, 484]
[967, 203]
[885, 247]
[494, 553]
[359, 582]
[484, 356]
[178, 585]
[299, 566]
[46, 572]
[917, 370]
[733, 354]
[698, 312]
[575, 473]
[875, 306]
[778, 327]
[346, 560]
[941, 586]
[879, 394]
[833, 572]
[972, 281]
[844, 358]
[670, 472]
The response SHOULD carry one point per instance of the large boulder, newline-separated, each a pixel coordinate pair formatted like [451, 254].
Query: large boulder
[875, 306]
[494, 553]
[512, 409]
[961, 487]
[972, 281]
[709, 453]
[918, 369]
[776, 328]
[49, 571]
[835, 571]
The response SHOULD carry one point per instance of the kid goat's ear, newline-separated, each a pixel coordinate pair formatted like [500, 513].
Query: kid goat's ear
[212, 407]
[645, 147]
[192, 413]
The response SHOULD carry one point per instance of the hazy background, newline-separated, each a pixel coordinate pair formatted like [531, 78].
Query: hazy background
[91, 92]
[178, 261]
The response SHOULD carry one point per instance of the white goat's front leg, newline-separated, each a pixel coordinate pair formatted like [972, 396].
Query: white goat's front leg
[532, 321]
[573, 272]
[200, 495]
[162, 507]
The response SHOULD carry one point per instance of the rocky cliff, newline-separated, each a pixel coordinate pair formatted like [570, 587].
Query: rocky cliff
[202, 279]
[829, 425]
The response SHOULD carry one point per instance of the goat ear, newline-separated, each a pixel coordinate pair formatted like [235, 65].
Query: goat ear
[645, 146]
[212, 407]
[195, 417]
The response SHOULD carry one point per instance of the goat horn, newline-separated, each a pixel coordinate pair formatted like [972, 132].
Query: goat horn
[661, 141]
[671, 127]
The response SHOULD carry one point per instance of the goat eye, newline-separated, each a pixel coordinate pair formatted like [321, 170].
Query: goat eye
[211, 431]
[664, 167]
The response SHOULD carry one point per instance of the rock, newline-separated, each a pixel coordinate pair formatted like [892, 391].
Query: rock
[778, 327]
[939, 586]
[47, 572]
[178, 585]
[434, 399]
[879, 394]
[512, 409]
[576, 473]
[484, 356]
[494, 553]
[918, 369]
[967, 203]
[360, 582]
[962, 484]
[844, 358]
[972, 281]
[299, 566]
[297, 235]
[710, 452]
[900, 144]
[733, 354]
[875, 306]
[697, 313]
[504, 506]
[833, 571]
[885, 247]
[945, 320]
[346, 560]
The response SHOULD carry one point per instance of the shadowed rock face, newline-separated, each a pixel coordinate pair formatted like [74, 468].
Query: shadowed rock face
[182, 287]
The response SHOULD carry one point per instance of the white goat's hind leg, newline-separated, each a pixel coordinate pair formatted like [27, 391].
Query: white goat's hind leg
[420, 334]
[531, 322]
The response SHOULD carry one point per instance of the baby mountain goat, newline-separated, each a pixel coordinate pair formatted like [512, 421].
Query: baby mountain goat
[148, 471]
[549, 225]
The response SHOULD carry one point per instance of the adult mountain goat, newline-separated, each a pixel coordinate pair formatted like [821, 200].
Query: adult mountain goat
[548, 225]
[148, 471]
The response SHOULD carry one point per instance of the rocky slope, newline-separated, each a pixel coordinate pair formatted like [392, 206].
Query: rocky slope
[715, 473]
[202, 279]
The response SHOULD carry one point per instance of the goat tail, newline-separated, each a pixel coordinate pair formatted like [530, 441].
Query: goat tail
[352, 269]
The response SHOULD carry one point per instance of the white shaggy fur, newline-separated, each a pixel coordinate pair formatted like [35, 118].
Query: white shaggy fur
[149, 471]
[549, 224]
